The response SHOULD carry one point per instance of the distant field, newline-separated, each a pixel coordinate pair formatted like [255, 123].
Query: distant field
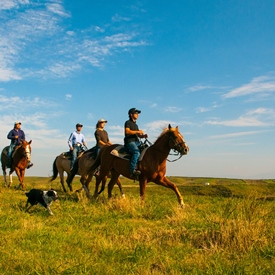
[227, 227]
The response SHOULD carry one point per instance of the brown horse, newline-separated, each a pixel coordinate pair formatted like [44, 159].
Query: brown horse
[20, 159]
[62, 162]
[152, 165]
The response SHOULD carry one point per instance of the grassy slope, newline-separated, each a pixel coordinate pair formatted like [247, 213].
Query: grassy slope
[226, 228]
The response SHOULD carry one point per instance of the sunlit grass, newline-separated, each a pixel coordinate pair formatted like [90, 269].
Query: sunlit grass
[226, 228]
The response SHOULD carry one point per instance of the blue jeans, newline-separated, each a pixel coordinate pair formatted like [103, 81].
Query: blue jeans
[11, 148]
[75, 152]
[133, 148]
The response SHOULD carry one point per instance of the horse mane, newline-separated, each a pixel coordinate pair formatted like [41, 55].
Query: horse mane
[164, 131]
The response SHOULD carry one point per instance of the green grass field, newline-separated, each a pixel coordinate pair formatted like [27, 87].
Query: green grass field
[226, 228]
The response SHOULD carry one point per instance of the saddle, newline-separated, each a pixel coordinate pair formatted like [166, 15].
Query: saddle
[92, 152]
[122, 152]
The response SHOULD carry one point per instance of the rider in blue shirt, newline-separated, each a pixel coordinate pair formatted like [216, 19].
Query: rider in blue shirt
[16, 135]
[76, 142]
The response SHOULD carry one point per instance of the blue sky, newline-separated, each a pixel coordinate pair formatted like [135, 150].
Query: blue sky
[205, 66]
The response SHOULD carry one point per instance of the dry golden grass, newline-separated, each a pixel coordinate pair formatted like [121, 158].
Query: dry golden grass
[215, 233]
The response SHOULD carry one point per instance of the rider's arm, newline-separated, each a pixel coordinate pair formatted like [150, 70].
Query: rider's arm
[128, 131]
[70, 141]
[11, 135]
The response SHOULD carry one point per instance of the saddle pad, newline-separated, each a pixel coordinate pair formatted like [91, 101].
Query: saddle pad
[118, 153]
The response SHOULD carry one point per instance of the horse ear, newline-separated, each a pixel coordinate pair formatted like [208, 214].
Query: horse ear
[30, 141]
[169, 126]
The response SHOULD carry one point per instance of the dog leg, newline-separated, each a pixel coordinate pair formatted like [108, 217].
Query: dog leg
[28, 208]
[49, 210]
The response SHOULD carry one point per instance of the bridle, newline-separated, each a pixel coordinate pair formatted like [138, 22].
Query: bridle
[176, 147]
[26, 151]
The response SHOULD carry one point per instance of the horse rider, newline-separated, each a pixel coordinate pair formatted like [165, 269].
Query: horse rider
[131, 140]
[76, 143]
[101, 135]
[16, 135]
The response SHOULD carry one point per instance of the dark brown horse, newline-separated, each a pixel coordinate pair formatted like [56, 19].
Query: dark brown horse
[152, 165]
[81, 167]
[20, 159]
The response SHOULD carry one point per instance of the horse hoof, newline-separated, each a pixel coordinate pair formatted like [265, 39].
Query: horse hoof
[182, 205]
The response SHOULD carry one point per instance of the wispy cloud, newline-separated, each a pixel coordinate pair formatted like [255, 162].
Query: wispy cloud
[68, 96]
[72, 50]
[207, 109]
[255, 118]
[237, 134]
[12, 103]
[263, 84]
[172, 109]
[200, 87]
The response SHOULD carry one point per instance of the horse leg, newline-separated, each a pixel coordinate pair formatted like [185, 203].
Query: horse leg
[62, 181]
[112, 182]
[10, 178]
[167, 183]
[120, 188]
[85, 180]
[5, 177]
[99, 179]
[142, 187]
[102, 185]
[20, 174]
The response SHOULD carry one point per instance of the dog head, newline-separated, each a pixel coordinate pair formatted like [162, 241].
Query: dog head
[50, 195]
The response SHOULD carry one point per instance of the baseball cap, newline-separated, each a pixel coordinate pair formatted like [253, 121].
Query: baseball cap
[102, 120]
[17, 122]
[134, 111]
[78, 125]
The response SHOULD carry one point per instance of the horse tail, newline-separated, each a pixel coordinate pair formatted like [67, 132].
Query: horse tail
[55, 171]
[73, 172]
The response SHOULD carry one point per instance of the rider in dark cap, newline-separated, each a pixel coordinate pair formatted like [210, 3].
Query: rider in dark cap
[131, 139]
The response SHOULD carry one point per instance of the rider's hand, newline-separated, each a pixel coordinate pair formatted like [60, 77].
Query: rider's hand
[145, 136]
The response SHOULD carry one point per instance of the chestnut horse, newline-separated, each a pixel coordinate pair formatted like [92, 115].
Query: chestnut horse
[152, 166]
[21, 156]
[62, 163]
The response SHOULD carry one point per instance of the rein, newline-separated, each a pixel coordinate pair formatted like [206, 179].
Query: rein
[175, 154]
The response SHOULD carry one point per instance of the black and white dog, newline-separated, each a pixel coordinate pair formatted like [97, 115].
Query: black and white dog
[44, 198]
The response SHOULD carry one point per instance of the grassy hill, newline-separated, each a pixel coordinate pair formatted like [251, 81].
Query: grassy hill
[227, 227]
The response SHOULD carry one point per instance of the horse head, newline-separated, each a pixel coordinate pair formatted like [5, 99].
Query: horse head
[26, 149]
[176, 141]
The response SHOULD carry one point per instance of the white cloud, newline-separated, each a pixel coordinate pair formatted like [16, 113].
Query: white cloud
[262, 84]
[68, 96]
[237, 134]
[10, 4]
[7, 74]
[255, 118]
[240, 122]
[172, 109]
[27, 49]
[57, 9]
[200, 87]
